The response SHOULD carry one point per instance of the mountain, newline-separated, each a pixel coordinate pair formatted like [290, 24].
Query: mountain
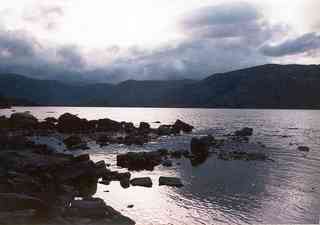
[266, 86]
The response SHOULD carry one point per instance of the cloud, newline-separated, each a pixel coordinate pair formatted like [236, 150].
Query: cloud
[216, 39]
[303, 44]
[47, 16]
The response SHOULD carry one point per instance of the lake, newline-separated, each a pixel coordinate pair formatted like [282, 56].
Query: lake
[217, 192]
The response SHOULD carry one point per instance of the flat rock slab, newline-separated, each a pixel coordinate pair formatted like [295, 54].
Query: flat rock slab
[142, 181]
[170, 181]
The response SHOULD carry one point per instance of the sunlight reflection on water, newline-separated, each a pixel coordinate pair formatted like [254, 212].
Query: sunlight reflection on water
[218, 192]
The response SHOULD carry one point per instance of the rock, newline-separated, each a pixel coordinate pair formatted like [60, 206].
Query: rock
[199, 147]
[92, 208]
[179, 126]
[68, 123]
[75, 142]
[133, 139]
[208, 140]
[23, 120]
[166, 163]
[130, 206]
[170, 181]
[100, 164]
[15, 142]
[144, 126]
[163, 152]
[124, 178]
[83, 157]
[304, 148]
[142, 181]
[139, 160]
[128, 127]
[108, 125]
[176, 154]
[244, 132]
[51, 120]
[103, 140]
[164, 130]
[14, 201]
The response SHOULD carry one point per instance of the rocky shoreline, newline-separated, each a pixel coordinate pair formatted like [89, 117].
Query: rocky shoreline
[40, 185]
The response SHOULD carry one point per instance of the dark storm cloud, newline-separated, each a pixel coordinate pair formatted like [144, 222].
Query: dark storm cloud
[17, 44]
[218, 39]
[303, 44]
[221, 14]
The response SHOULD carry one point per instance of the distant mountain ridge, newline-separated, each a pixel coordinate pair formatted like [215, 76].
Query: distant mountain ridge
[266, 86]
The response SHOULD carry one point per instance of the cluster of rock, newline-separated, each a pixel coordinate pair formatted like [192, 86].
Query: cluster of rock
[48, 183]
[200, 149]
[105, 130]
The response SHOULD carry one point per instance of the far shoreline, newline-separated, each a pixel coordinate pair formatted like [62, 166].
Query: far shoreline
[168, 107]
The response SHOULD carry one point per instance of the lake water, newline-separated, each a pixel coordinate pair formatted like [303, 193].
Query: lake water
[218, 192]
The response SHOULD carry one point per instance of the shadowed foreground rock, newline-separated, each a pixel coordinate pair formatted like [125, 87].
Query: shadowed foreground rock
[48, 183]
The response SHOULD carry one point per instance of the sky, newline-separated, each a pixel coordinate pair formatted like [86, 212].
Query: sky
[116, 40]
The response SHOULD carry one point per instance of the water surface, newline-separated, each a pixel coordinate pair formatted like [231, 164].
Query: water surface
[218, 192]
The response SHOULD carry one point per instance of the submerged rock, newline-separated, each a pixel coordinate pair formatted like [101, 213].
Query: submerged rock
[141, 181]
[170, 181]
[244, 132]
[166, 163]
[304, 148]
[237, 155]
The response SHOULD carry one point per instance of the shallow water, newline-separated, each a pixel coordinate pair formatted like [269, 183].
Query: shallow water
[218, 192]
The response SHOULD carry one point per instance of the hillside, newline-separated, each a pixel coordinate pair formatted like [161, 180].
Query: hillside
[266, 86]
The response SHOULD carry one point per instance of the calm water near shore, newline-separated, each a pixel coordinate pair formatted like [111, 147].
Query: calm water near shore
[217, 192]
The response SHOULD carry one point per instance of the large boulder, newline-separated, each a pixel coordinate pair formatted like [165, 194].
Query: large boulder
[139, 160]
[141, 181]
[14, 201]
[179, 126]
[68, 123]
[108, 125]
[23, 120]
[170, 181]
